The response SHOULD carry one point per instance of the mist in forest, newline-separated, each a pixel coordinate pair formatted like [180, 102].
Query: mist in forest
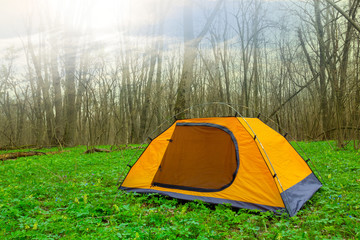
[116, 72]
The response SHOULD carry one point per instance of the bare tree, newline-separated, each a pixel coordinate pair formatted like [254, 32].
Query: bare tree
[190, 46]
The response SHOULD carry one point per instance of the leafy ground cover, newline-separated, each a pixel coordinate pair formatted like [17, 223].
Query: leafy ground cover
[72, 195]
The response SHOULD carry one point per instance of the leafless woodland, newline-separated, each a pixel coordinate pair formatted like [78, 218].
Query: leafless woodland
[300, 68]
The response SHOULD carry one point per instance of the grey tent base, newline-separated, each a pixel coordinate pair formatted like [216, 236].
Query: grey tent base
[296, 196]
[237, 204]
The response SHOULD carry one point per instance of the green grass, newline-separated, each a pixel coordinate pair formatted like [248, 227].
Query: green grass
[72, 196]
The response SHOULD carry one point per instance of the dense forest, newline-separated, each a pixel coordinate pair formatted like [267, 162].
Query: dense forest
[297, 62]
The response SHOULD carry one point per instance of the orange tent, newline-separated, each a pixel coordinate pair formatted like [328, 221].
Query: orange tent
[240, 161]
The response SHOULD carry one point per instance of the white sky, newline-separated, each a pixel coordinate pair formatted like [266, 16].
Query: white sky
[99, 17]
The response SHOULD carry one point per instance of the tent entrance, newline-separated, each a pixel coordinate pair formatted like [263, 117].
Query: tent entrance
[200, 157]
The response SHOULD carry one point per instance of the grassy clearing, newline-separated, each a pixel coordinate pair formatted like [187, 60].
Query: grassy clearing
[72, 195]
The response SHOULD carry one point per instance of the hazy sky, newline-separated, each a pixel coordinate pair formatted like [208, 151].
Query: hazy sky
[98, 14]
[100, 18]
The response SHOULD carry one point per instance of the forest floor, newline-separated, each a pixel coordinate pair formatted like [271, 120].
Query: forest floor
[71, 195]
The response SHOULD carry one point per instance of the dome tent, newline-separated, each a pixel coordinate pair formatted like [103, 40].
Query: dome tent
[235, 160]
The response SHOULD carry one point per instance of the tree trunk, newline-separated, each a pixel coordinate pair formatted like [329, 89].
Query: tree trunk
[144, 116]
[44, 85]
[57, 91]
[255, 58]
[190, 47]
[322, 66]
[70, 90]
